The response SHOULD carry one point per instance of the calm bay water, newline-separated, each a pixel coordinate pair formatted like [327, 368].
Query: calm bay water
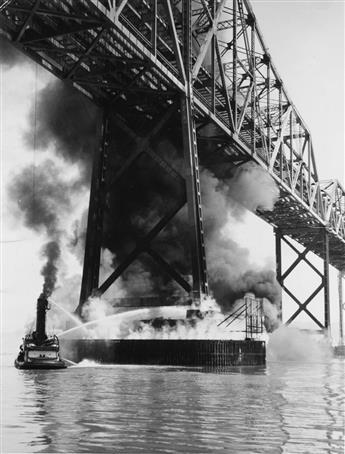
[285, 407]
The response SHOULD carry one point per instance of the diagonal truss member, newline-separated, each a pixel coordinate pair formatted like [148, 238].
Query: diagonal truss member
[321, 236]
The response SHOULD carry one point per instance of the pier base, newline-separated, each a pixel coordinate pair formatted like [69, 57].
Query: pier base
[197, 353]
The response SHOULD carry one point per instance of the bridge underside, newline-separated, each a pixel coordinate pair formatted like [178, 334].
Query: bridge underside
[162, 71]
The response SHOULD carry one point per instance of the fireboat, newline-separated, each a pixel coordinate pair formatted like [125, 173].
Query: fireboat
[39, 351]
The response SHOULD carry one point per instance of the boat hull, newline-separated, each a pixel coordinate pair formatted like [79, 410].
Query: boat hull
[40, 364]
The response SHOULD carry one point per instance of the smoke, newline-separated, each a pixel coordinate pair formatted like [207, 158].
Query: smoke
[291, 344]
[9, 55]
[68, 125]
[225, 203]
[43, 197]
[272, 319]
[46, 196]
[40, 196]
[78, 236]
[96, 308]
[51, 252]
[67, 121]
[164, 322]
[253, 188]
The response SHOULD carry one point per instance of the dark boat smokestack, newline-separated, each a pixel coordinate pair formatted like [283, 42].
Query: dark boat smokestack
[42, 307]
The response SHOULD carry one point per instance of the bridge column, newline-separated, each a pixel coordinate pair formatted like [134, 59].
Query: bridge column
[192, 175]
[341, 274]
[278, 238]
[326, 280]
[93, 242]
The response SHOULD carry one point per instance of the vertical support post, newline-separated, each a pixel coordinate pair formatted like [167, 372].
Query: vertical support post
[253, 95]
[93, 242]
[341, 308]
[280, 129]
[193, 188]
[213, 55]
[154, 28]
[234, 62]
[268, 118]
[291, 149]
[326, 279]
[278, 238]
[309, 167]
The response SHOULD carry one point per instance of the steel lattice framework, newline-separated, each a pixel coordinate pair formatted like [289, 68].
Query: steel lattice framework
[145, 55]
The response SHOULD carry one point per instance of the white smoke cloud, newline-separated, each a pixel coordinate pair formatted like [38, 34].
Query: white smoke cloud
[291, 344]
[225, 203]
[253, 188]
[137, 324]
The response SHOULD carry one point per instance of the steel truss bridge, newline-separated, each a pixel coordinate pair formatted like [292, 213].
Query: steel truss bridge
[203, 66]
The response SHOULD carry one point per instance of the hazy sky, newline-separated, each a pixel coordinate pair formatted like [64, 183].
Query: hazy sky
[306, 42]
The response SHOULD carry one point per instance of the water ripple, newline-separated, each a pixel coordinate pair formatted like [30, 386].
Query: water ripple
[286, 408]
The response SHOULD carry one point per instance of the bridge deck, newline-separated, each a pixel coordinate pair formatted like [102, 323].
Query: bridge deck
[128, 54]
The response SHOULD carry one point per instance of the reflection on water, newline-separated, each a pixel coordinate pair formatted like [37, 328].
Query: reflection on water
[284, 408]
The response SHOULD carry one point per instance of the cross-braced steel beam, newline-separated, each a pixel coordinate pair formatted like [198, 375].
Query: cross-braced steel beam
[102, 187]
[320, 235]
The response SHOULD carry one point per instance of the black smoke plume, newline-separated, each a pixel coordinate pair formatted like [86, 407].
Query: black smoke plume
[41, 198]
[49, 271]
[68, 122]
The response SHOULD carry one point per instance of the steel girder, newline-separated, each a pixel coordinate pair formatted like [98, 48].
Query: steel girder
[113, 51]
[341, 276]
[94, 232]
[320, 236]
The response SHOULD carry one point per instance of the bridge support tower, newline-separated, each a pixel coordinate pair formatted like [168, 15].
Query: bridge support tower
[104, 183]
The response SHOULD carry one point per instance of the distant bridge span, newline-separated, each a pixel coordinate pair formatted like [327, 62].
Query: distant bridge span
[143, 56]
